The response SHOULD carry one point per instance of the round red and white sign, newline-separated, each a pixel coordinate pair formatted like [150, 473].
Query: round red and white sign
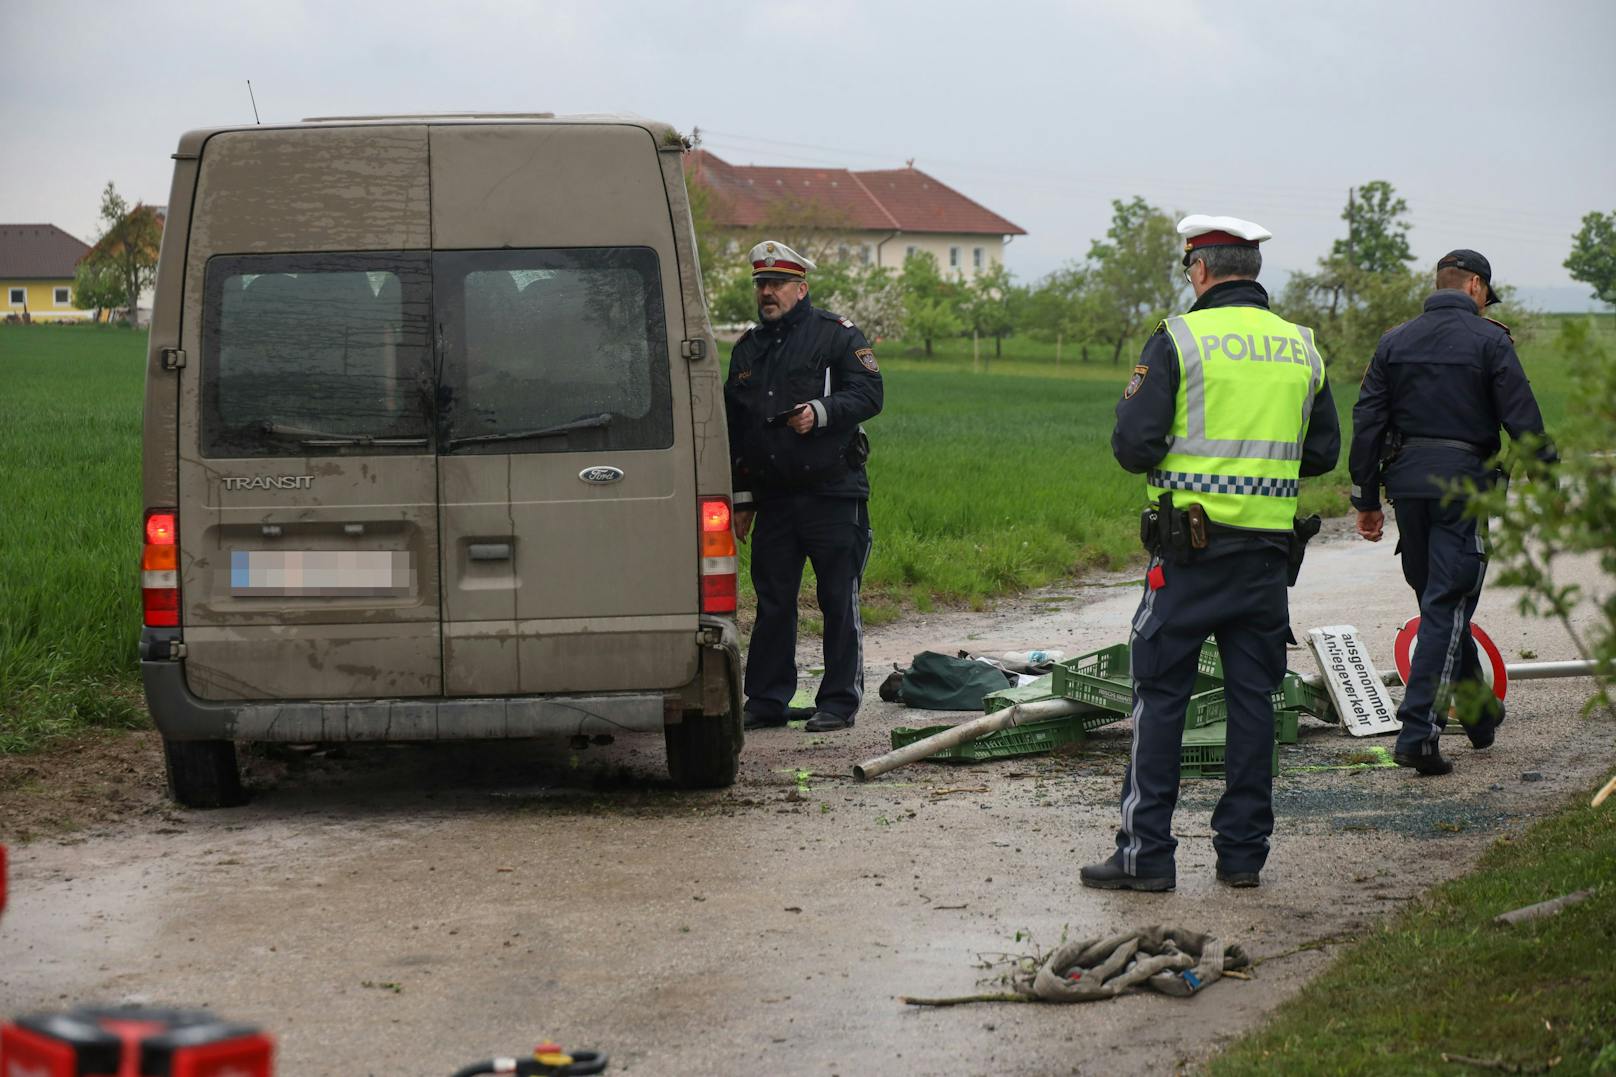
[1492, 663]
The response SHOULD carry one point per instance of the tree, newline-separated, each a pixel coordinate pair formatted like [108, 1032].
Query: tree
[1055, 308]
[127, 248]
[1377, 236]
[871, 297]
[930, 302]
[1363, 287]
[993, 304]
[1136, 277]
[96, 287]
[1593, 255]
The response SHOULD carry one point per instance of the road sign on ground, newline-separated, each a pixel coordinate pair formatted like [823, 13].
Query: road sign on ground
[1493, 670]
[1354, 684]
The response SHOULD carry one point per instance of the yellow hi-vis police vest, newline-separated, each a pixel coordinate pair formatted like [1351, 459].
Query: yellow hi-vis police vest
[1246, 386]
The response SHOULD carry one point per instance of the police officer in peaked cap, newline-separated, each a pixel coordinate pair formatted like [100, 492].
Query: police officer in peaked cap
[1436, 392]
[800, 383]
[1227, 410]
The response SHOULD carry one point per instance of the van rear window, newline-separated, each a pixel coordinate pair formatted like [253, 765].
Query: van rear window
[316, 354]
[553, 350]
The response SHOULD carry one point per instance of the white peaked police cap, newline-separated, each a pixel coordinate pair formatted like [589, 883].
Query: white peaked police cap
[773, 260]
[1200, 230]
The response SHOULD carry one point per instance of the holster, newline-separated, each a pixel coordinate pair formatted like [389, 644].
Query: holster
[1302, 532]
[1173, 534]
[1390, 447]
[857, 452]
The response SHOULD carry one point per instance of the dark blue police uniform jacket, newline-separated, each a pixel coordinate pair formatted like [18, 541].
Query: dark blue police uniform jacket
[1448, 374]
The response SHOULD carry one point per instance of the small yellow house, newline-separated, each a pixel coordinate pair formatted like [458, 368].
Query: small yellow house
[36, 273]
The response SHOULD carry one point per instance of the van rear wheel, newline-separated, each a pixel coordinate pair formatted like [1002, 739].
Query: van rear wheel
[203, 773]
[704, 750]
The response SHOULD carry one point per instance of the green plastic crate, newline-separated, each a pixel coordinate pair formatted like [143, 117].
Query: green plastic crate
[1296, 694]
[1028, 739]
[1202, 753]
[1100, 679]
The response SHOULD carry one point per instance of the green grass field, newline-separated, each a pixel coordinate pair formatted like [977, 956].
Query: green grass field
[70, 531]
[986, 482]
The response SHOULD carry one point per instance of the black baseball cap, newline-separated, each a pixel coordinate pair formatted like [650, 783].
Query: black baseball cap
[1475, 263]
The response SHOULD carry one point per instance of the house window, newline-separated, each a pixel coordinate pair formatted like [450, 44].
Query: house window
[953, 258]
[976, 257]
[62, 297]
[18, 297]
[866, 254]
[910, 251]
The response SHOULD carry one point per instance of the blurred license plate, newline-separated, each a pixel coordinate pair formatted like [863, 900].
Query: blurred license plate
[321, 572]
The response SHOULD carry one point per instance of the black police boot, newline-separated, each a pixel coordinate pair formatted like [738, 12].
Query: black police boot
[754, 720]
[1429, 765]
[1108, 876]
[1240, 880]
[825, 722]
[1481, 734]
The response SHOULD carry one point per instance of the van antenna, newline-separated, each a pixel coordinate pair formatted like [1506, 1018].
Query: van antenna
[254, 101]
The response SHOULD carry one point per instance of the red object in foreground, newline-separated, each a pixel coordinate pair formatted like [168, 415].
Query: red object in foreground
[132, 1042]
[1492, 662]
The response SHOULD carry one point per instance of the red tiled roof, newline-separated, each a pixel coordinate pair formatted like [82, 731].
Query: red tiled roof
[38, 252]
[896, 199]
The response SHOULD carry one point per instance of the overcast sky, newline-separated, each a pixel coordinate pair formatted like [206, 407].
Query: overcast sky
[1495, 120]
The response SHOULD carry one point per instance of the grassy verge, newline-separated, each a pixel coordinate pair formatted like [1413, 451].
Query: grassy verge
[69, 581]
[1442, 979]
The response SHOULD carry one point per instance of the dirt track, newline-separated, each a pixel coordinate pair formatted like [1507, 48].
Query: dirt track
[407, 910]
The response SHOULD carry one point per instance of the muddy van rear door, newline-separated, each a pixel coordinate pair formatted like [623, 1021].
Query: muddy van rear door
[567, 470]
[308, 513]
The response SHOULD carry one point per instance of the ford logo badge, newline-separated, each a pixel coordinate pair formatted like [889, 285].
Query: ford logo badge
[601, 474]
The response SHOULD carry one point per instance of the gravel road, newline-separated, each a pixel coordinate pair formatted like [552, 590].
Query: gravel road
[405, 910]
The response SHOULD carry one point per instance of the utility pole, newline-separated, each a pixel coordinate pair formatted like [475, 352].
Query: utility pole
[1352, 225]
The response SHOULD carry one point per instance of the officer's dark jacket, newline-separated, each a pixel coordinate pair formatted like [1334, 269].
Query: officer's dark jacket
[1145, 419]
[1448, 374]
[809, 356]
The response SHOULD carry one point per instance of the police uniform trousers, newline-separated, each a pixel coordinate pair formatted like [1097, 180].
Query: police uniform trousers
[1444, 561]
[833, 534]
[1240, 600]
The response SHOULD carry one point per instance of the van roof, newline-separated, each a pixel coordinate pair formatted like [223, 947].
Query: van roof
[664, 134]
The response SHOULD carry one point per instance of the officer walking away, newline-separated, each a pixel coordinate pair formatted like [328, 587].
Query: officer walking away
[1427, 418]
[1227, 410]
[800, 383]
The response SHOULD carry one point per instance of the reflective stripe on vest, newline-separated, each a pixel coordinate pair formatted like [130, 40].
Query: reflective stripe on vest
[1243, 371]
[1225, 484]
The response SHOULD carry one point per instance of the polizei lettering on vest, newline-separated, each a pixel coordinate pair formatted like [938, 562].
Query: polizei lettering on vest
[1249, 346]
[268, 482]
[1267, 349]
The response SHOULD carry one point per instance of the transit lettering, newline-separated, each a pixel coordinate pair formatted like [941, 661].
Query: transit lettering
[268, 482]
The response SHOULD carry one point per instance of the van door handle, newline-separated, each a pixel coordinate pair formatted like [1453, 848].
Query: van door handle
[489, 551]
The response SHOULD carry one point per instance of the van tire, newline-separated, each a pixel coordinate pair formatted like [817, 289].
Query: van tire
[704, 750]
[203, 773]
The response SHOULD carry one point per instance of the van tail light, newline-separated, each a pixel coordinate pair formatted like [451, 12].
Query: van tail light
[160, 571]
[717, 556]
